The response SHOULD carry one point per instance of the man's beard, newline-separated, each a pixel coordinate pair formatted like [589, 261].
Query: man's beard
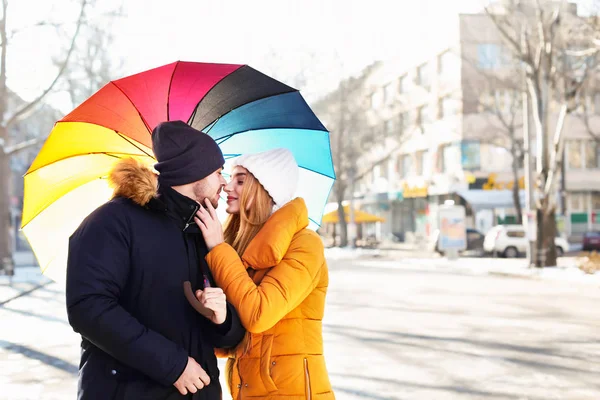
[200, 192]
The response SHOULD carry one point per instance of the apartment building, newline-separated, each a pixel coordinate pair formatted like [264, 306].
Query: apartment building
[435, 135]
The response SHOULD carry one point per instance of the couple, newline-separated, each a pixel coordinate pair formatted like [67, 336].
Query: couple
[261, 283]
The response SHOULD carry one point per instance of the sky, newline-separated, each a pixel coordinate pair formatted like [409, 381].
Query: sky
[280, 37]
[328, 38]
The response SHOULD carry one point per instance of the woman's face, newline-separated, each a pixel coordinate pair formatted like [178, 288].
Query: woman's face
[234, 189]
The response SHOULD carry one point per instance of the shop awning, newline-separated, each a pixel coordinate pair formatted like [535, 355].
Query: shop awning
[360, 217]
[480, 199]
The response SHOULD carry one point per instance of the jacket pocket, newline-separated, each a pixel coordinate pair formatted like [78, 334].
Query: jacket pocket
[307, 386]
[266, 364]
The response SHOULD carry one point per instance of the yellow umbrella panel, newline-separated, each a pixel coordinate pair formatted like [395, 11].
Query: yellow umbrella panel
[360, 217]
[66, 182]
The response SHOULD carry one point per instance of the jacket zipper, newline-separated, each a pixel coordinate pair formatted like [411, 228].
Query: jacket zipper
[190, 220]
[307, 378]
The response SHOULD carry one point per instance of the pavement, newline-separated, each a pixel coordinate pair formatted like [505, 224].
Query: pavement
[397, 326]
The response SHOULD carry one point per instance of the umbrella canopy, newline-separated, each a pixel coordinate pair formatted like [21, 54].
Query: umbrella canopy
[244, 110]
[360, 217]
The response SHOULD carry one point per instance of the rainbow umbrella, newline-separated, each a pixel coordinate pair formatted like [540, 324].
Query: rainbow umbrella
[244, 110]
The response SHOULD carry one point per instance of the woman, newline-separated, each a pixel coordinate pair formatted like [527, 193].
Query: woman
[278, 284]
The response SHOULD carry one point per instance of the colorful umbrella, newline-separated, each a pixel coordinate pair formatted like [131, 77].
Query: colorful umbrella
[241, 108]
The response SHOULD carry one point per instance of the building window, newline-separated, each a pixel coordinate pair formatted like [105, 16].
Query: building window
[424, 116]
[376, 173]
[574, 158]
[402, 84]
[596, 201]
[426, 163]
[406, 165]
[383, 168]
[591, 155]
[470, 155]
[597, 103]
[446, 107]
[404, 121]
[388, 127]
[489, 56]
[376, 99]
[450, 158]
[389, 94]
[423, 76]
[577, 201]
[447, 63]
[420, 163]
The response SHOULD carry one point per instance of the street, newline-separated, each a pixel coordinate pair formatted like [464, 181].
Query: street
[393, 330]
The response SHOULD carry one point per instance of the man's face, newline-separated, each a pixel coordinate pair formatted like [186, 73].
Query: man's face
[209, 188]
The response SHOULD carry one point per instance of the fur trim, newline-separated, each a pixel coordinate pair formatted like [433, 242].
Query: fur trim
[133, 179]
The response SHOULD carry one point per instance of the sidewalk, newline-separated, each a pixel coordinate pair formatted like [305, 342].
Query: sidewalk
[566, 271]
[27, 277]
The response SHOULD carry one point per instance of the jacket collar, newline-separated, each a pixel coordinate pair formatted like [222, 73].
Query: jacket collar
[272, 242]
[181, 209]
[134, 180]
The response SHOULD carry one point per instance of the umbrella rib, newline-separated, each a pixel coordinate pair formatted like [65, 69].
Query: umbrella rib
[206, 94]
[169, 91]
[134, 107]
[245, 104]
[110, 154]
[130, 141]
[230, 135]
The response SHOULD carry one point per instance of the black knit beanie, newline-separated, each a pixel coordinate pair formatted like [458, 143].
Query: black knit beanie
[184, 154]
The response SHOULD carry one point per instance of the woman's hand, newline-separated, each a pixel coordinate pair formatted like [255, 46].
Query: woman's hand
[206, 219]
[214, 299]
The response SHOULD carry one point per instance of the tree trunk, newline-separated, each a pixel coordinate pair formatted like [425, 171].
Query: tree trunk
[342, 221]
[546, 232]
[516, 189]
[6, 256]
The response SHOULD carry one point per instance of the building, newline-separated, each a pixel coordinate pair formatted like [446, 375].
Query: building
[433, 121]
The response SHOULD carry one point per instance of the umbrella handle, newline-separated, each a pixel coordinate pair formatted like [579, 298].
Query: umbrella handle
[189, 295]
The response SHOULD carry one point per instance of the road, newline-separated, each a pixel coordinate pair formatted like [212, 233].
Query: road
[392, 330]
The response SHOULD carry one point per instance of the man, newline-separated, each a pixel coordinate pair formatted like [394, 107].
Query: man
[141, 339]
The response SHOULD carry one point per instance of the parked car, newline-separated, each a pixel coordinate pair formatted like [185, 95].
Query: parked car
[511, 241]
[591, 241]
[474, 242]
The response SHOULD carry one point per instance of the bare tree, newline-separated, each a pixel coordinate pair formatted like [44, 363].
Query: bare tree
[12, 112]
[554, 46]
[92, 66]
[9, 117]
[343, 112]
[501, 108]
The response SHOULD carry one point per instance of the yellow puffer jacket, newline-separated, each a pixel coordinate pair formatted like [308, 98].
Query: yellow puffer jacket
[278, 288]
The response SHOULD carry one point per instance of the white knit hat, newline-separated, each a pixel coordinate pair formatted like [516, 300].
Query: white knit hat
[276, 170]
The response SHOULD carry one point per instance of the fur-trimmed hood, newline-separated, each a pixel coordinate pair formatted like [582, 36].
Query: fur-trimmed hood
[134, 180]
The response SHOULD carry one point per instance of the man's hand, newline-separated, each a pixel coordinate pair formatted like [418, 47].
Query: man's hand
[192, 379]
[214, 299]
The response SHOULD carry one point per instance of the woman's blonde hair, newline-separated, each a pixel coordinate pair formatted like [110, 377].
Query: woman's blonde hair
[255, 208]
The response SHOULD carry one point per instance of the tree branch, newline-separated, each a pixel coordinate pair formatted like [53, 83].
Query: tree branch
[496, 20]
[14, 149]
[15, 117]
